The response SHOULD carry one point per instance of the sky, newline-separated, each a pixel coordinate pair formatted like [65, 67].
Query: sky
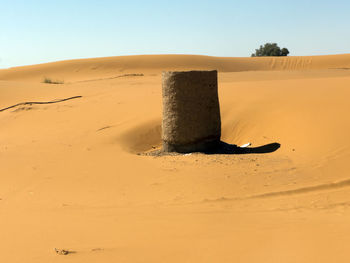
[38, 31]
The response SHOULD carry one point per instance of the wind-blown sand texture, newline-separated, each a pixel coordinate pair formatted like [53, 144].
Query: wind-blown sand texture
[73, 179]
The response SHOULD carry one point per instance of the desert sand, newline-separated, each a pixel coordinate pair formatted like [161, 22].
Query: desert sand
[74, 176]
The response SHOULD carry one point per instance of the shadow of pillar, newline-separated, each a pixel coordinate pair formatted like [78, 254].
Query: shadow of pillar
[225, 148]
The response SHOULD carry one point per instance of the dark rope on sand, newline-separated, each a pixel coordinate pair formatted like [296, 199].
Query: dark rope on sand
[39, 102]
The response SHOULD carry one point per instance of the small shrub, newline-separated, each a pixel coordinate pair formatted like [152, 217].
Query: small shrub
[270, 49]
[51, 81]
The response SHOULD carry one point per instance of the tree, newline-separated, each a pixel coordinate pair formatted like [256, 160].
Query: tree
[270, 49]
[284, 52]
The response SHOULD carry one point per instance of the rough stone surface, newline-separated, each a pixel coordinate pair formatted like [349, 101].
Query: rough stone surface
[191, 111]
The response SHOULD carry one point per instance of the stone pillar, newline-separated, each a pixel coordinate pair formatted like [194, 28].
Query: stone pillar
[191, 111]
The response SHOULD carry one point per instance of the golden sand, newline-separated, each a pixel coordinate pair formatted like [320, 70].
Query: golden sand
[71, 178]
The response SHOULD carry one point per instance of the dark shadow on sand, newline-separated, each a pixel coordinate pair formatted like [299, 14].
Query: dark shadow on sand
[225, 148]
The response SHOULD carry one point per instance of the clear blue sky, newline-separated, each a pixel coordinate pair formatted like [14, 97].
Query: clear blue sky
[48, 30]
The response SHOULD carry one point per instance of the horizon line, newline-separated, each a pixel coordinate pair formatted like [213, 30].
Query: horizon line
[165, 54]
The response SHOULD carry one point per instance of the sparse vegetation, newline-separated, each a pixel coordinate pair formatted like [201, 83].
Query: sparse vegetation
[51, 81]
[270, 49]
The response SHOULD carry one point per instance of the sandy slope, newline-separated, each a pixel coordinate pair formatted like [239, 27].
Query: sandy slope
[112, 67]
[71, 177]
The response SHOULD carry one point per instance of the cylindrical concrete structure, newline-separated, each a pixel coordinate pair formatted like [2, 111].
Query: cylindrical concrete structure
[191, 111]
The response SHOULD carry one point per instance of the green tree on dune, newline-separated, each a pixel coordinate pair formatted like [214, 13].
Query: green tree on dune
[270, 49]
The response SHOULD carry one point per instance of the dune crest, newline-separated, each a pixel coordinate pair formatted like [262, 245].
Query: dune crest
[110, 67]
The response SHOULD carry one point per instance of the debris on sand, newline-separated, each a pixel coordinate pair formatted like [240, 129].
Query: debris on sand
[63, 252]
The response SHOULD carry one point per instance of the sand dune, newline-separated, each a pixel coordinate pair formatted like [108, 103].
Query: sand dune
[97, 68]
[72, 176]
